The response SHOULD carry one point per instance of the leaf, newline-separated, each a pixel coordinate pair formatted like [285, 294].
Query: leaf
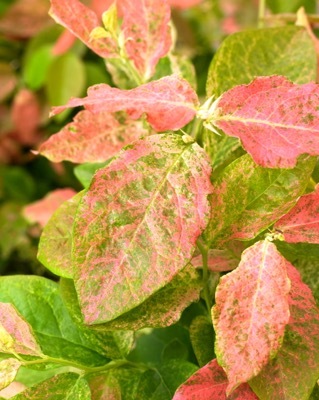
[251, 313]
[210, 382]
[64, 43]
[122, 78]
[222, 149]
[8, 80]
[151, 386]
[32, 375]
[25, 18]
[100, 334]
[54, 250]
[161, 309]
[60, 387]
[303, 20]
[96, 73]
[59, 87]
[295, 370]
[157, 382]
[25, 114]
[286, 51]
[104, 387]
[150, 344]
[202, 336]
[39, 302]
[178, 64]
[147, 32]
[164, 307]
[114, 384]
[247, 198]
[130, 384]
[91, 138]
[169, 103]
[315, 393]
[13, 229]
[16, 184]
[175, 350]
[305, 257]
[184, 3]
[81, 21]
[85, 172]
[16, 335]
[170, 64]
[37, 65]
[308, 268]
[281, 6]
[301, 224]
[40, 211]
[293, 251]
[8, 371]
[11, 390]
[274, 137]
[217, 260]
[175, 372]
[137, 225]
